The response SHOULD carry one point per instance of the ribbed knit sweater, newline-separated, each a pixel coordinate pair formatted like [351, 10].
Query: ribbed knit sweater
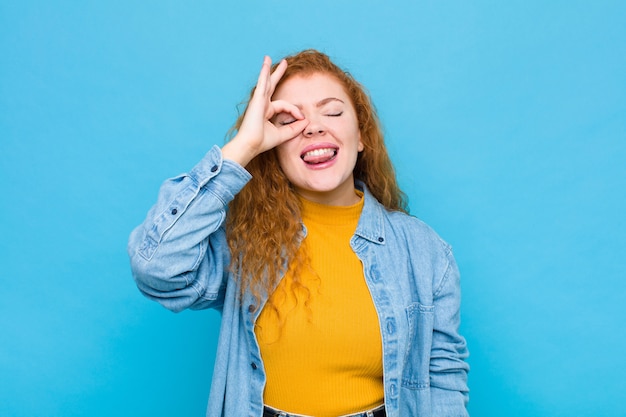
[322, 351]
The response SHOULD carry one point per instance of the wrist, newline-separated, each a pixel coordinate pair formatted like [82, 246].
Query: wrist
[237, 152]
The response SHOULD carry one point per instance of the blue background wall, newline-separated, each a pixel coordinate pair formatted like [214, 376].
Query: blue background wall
[506, 120]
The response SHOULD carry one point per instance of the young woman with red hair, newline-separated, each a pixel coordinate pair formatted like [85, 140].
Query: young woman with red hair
[334, 301]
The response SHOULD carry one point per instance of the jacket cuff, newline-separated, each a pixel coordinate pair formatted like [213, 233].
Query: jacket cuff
[217, 173]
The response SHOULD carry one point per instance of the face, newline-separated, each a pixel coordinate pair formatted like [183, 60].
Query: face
[320, 160]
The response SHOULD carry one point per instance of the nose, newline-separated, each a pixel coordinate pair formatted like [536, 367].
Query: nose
[314, 128]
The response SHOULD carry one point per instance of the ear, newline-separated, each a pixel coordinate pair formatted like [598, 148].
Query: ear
[361, 146]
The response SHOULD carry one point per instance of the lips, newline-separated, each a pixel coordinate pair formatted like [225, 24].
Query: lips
[319, 155]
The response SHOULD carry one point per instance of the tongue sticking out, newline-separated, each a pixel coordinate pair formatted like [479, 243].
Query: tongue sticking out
[319, 156]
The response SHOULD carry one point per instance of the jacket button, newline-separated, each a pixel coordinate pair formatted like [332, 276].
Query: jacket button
[251, 308]
[253, 365]
[381, 239]
[174, 211]
[214, 168]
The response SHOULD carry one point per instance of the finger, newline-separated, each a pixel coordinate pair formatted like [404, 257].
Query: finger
[282, 106]
[263, 82]
[290, 131]
[277, 75]
[257, 105]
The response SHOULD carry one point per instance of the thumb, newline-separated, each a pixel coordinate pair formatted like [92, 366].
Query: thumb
[291, 130]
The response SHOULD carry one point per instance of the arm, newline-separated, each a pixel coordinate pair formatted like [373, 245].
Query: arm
[448, 369]
[179, 256]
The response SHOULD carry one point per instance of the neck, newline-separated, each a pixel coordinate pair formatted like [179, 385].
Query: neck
[341, 196]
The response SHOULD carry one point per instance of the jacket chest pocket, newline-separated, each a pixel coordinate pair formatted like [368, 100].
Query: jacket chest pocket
[416, 374]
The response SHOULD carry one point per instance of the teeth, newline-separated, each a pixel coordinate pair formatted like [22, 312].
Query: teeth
[318, 152]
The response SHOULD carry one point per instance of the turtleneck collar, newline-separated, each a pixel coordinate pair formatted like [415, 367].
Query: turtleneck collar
[332, 215]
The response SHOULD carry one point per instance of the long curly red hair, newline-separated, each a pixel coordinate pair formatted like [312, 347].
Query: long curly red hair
[263, 224]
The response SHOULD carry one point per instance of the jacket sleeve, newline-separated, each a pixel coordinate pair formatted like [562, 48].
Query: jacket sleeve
[179, 255]
[448, 369]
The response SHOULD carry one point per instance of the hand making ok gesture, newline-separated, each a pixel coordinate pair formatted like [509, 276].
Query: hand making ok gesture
[257, 133]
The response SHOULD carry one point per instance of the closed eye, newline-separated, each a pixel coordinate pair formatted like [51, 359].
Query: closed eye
[336, 114]
[283, 119]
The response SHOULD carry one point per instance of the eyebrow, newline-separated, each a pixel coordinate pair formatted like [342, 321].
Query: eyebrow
[327, 100]
[323, 102]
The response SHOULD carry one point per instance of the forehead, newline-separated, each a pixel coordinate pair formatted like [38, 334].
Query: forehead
[301, 89]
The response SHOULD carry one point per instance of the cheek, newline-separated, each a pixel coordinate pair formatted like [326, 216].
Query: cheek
[283, 152]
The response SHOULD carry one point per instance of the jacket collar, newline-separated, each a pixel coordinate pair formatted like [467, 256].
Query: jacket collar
[371, 224]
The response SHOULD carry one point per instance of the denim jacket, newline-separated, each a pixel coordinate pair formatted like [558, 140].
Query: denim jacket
[180, 258]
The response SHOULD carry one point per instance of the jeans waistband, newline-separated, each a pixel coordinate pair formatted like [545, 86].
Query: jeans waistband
[374, 412]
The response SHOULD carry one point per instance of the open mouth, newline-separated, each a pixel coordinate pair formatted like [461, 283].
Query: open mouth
[319, 156]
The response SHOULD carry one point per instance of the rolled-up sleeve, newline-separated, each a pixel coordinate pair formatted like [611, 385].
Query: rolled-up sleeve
[179, 255]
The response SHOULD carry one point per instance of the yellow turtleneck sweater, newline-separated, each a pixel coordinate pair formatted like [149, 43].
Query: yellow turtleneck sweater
[323, 352]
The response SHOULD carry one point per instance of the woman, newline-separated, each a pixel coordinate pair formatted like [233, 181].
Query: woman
[334, 301]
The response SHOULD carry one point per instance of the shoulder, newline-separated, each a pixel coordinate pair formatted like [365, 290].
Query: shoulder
[399, 228]
[415, 231]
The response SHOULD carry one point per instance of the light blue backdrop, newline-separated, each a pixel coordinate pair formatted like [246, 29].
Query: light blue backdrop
[506, 120]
